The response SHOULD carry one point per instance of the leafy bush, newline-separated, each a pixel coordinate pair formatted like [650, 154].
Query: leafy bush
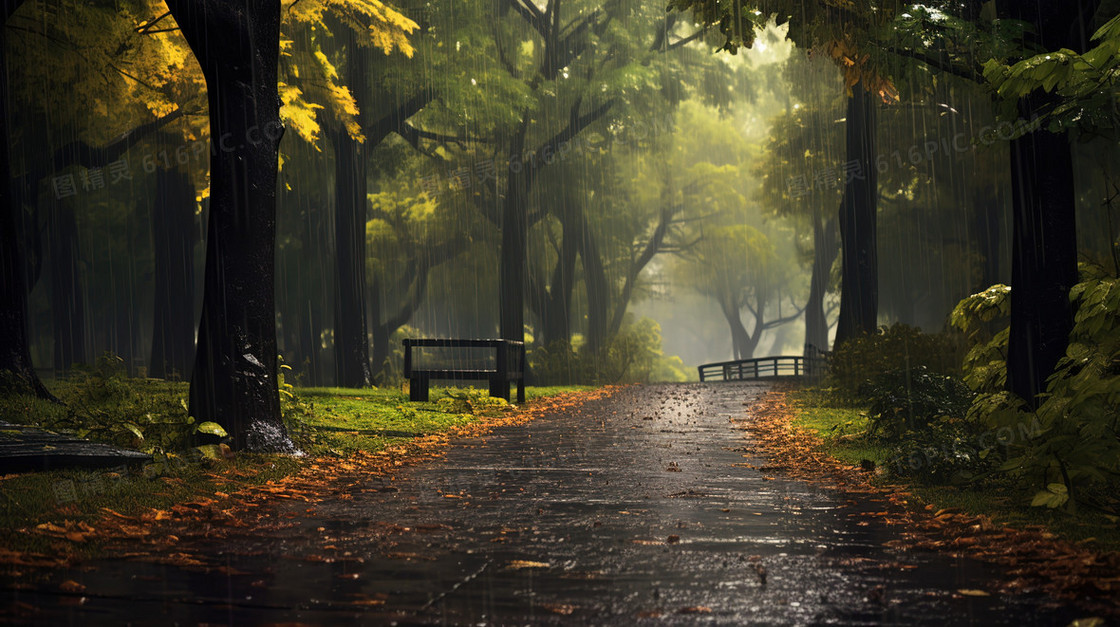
[919, 415]
[634, 355]
[912, 401]
[947, 453]
[1075, 451]
[855, 362]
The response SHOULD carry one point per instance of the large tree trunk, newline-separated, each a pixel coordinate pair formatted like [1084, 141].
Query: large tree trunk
[859, 295]
[16, 370]
[1044, 235]
[174, 236]
[234, 380]
[1043, 257]
[824, 254]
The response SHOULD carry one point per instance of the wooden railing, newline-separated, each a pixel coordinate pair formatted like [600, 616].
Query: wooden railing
[764, 367]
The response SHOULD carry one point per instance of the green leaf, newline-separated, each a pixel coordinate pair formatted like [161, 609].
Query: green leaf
[135, 430]
[210, 451]
[212, 428]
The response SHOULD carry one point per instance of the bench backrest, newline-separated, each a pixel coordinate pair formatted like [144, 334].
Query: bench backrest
[460, 356]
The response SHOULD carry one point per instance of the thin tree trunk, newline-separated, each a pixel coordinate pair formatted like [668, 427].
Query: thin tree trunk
[824, 254]
[598, 290]
[67, 304]
[556, 308]
[174, 236]
[740, 338]
[859, 295]
[515, 235]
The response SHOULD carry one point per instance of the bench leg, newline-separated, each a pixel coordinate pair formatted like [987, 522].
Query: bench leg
[418, 389]
[521, 391]
[499, 388]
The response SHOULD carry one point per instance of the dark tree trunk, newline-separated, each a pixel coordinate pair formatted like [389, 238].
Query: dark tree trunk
[234, 380]
[859, 292]
[741, 344]
[351, 342]
[381, 347]
[67, 303]
[515, 235]
[824, 254]
[598, 290]
[1043, 257]
[1044, 232]
[554, 306]
[174, 235]
[16, 370]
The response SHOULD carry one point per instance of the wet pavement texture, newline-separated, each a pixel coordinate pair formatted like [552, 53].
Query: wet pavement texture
[642, 508]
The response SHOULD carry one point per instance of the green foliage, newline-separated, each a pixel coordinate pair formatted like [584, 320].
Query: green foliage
[911, 401]
[471, 401]
[634, 355]
[947, 453]
[983, 318]
[862, 359]
[1085, 83]
[1074, 453]
[919, 416]
[101, 403]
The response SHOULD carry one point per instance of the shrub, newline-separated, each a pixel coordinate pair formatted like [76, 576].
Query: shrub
[1075, 452]
[912, 401]
[920, 415]
[634, 355]
[864, 358]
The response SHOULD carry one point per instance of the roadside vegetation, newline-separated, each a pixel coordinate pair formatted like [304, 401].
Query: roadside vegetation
[191, 460]
[931, 411]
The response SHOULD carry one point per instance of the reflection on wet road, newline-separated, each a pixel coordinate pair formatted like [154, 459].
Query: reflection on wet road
[639, 508]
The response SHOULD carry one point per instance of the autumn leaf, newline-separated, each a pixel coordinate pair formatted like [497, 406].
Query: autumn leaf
[516, 564]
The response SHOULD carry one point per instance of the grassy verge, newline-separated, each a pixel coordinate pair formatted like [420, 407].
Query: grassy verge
[151, 416]
[843, 428]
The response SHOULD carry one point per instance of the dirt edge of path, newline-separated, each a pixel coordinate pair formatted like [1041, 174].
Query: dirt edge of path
[1036, 559]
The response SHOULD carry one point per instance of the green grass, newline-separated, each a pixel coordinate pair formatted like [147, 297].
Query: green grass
[843, 428]
[323, 421]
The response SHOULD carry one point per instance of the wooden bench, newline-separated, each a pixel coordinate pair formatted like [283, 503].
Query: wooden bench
[508, 365]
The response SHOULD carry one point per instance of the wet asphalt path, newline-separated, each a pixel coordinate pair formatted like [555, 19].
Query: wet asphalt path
[642, 508]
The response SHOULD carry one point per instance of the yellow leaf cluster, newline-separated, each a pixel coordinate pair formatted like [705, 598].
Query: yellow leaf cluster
[298, 114]
[378, 24]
